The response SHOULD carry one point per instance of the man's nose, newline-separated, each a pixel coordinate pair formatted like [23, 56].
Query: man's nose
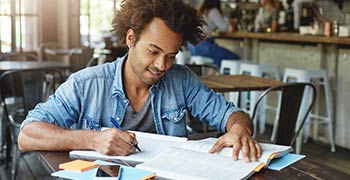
[160, 63]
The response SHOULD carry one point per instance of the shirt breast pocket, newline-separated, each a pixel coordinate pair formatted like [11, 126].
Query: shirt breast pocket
[174, 115]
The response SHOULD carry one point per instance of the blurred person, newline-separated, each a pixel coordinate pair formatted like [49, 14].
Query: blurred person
[216, 23]
[267, 17]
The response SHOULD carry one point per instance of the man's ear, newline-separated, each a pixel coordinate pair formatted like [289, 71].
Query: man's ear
[130, 38]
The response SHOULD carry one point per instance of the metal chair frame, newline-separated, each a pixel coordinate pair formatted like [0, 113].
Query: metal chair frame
[289, 125]
[31, 87]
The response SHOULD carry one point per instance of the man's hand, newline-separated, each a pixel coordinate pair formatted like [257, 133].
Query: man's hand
[239, 136]
[115, 142]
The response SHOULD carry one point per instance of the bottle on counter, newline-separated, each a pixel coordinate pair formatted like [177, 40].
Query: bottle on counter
[282, 17]
[289, 18]
[306, 14]
[335, 28]
[327, 29]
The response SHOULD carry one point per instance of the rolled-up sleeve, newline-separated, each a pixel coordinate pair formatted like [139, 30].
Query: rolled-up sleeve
[61, 108]
[206, 105]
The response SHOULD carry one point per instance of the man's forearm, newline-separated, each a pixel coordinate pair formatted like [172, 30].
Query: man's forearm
[45, 136]
[242, 119]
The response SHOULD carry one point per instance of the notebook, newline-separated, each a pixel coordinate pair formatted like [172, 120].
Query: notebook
[127, 173]
[78, 165]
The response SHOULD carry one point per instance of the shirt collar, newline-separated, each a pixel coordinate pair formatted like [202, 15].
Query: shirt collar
[118, 88]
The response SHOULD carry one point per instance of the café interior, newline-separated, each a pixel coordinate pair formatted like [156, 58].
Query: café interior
[307, 42]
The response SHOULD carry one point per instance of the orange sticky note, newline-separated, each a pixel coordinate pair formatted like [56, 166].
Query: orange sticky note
[78, 165]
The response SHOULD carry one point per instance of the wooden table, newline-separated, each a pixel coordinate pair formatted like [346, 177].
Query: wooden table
[62, 52]
[227, 83]
[303, 169]
[31, 65]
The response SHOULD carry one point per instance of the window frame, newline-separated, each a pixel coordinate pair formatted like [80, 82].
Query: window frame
[16, 19]
[88, 15]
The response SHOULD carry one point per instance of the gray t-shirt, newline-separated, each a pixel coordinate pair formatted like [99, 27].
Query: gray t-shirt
[140, 121]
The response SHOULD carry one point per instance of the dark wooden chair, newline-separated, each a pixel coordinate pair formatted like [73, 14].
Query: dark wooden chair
[290, 123]
[27, 88]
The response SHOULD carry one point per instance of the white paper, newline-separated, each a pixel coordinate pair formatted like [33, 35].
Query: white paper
[150, 144]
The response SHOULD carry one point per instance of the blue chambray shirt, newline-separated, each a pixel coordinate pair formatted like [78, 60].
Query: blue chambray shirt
[91, 96]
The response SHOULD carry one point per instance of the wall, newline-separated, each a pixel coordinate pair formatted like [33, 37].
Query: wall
[48, 21]
[59, 22]
[343, 98]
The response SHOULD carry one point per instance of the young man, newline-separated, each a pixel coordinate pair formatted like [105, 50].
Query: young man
[143, 91]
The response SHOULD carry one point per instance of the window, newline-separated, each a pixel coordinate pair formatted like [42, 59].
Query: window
[95, 20]
[18, 25]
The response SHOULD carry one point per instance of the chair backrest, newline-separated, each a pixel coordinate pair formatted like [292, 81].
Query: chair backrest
[27, 88]
[290, 101]
[47, 45]
[19, 57]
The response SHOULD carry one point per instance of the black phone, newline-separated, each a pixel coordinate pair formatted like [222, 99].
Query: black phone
[108, 172]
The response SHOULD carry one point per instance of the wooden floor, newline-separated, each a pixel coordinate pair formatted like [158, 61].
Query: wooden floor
[340, 160]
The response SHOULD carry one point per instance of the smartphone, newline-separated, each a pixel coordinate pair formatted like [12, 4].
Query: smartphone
[105, 172]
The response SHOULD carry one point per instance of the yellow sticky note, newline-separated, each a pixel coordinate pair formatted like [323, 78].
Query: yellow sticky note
[78, 165]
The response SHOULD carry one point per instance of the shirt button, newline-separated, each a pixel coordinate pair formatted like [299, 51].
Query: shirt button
[118, 118]
[126, 101]
[175, 119]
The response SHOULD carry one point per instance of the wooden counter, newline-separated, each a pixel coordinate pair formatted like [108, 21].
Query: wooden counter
[290, 37]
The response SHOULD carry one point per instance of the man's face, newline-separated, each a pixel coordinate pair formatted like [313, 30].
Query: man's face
[155, 51]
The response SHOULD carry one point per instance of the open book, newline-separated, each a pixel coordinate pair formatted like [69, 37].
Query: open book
[178, 158]
[192, 161]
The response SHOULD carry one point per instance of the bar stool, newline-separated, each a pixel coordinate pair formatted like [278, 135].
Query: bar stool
[260, 70]
[201, 60]
[183, 57]
[231, 67]
[321, 77]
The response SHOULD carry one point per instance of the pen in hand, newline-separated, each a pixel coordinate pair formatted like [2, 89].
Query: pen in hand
[116, 124]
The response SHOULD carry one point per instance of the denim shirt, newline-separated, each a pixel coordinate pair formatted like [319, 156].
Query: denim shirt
[91, 96]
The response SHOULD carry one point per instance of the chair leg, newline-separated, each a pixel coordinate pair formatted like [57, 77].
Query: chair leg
[306, 100]
[8, 148]
[330, 135]
[262, 115]
[329, 113]
[16, 156]
[276, 122]
[298, 142]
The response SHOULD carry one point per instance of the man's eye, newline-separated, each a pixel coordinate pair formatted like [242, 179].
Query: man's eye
[172, 58]
[152, 52]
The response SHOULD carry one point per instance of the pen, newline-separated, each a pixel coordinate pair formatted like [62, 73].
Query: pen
[116, 124]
